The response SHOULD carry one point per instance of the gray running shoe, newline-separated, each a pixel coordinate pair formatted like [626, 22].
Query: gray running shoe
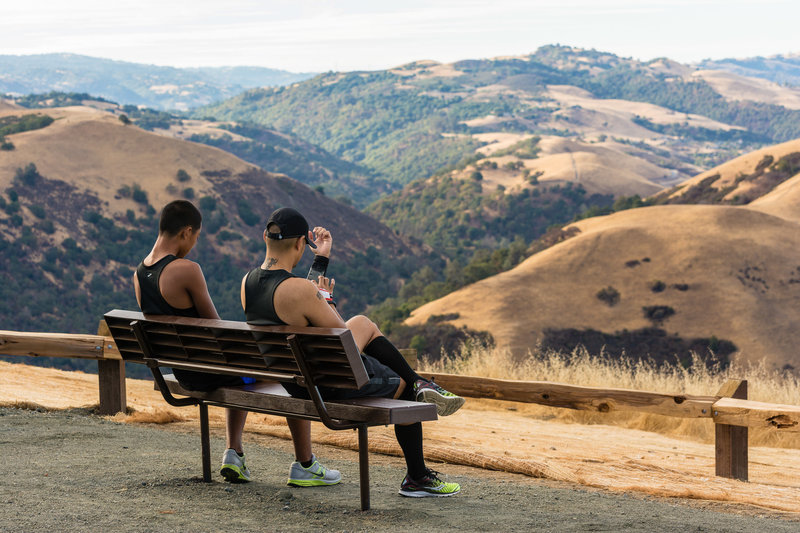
[233, 468]
[314, 476]
[446, 402]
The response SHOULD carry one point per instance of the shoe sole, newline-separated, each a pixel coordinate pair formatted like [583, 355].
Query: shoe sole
[445, 405]
[424, 494]
[311, 482]
[232, 474]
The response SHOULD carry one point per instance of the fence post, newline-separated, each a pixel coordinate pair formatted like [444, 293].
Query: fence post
[111, 378]
[731, 441]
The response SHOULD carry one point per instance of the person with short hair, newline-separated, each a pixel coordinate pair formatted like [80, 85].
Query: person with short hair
[168, 284]
[272, 295]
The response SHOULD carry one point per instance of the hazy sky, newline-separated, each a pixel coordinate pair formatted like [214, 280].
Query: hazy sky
[316, 35]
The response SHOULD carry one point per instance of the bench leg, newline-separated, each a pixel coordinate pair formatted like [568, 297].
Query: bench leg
[363, 466]
[205, 443]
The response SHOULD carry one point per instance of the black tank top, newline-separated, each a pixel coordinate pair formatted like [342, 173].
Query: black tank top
[259, 296]
[153, 303]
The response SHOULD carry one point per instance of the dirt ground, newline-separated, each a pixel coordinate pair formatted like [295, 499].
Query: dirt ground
[532, 470]
[72, 471]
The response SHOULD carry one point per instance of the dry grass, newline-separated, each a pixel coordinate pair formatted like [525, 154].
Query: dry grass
[581, 368]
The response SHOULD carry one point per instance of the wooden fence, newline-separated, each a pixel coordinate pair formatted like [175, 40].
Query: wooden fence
[729, 408]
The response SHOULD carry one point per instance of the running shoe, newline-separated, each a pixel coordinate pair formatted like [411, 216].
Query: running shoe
[429, 486]
[315, 475]
[446, 402]
[233, 468]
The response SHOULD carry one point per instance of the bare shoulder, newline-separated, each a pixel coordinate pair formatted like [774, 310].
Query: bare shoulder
[299, 289]
[185, 272]
[184, 266]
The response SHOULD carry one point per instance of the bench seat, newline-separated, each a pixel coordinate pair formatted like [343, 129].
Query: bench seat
[271, 398]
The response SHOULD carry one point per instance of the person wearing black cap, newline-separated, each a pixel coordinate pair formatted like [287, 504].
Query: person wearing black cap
[272, 295]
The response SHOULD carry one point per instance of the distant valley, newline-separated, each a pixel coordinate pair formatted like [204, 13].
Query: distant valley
[134, 83]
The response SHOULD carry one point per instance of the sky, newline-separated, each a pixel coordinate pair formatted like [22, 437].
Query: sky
[318, 35]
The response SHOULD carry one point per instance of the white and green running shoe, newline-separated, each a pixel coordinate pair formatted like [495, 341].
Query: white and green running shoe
[446, 402]
[315, 475]
[429, 486]
[233, 468]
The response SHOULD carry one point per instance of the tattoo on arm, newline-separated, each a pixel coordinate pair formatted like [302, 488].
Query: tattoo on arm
[271, 262]
[319, 296]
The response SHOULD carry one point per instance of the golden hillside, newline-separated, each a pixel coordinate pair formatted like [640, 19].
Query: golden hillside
[729, 172]
[741, 265]
[92, 151]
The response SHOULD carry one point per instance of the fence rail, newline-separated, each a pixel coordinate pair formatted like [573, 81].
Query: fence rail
[729, 409]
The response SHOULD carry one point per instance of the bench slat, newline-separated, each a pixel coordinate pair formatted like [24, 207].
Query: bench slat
[271, 396]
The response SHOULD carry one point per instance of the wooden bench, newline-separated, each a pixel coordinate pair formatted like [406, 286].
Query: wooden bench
[310, 357]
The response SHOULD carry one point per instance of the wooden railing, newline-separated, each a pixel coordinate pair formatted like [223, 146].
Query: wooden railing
[729, 408]
[110, 366]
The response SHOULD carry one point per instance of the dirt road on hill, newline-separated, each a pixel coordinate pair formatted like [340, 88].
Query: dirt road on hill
[71, 471]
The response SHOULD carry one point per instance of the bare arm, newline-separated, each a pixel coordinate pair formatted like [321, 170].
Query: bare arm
[183, 285]
[320, 313]
[242, 293]
[198, 290]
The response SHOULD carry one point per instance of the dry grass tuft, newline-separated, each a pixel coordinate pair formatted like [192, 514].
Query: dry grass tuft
[582, 368]
[150, 416]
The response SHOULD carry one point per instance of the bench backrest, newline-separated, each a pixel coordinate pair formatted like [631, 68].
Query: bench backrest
[329, 356]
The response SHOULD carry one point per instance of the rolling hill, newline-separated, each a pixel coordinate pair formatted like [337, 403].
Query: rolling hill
[692, 275]
[78, 209]
[412, 121]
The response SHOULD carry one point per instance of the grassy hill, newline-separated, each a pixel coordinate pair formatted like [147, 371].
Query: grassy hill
[654, 280]
[134, 83]
[264, 147]
[78, 210]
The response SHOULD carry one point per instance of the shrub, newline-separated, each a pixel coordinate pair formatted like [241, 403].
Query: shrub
[6, 146]
[47, 226]
[138, 195]
[680, 286]
[38, 211]
[124, 119]
[610, 296]
[27, 176]
[475, 175]
[188, 193]
[657, 285]
[320, 189]
[130, 215]
[124, 191]
[182, 175]
[207, 203]
[657, 313]
[246, 213]
[12, 195]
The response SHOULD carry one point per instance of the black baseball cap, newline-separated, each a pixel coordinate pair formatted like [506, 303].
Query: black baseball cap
[291, 224]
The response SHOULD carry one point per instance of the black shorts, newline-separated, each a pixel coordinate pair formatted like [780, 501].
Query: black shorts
[202, 382]
[383, 383]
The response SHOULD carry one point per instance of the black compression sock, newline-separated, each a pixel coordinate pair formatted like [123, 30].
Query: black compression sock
[306, 464]
[410, 440]
[385, 352]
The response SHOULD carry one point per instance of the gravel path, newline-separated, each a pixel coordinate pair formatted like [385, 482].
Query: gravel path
[71, 471]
